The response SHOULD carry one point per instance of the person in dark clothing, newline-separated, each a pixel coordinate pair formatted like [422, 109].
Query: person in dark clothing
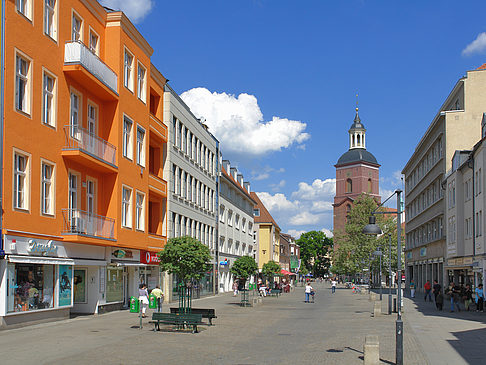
[439, 300]
[467, 296]
[436, 289]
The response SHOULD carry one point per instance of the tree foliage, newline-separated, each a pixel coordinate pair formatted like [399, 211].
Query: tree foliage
[186, 257]
[270, 269]
[315, 250]
[244, 267]
[354, 250]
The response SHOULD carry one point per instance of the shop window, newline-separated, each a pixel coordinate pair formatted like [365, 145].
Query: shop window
[65, 285]
[114, 284]
[79, 286]
[30, 287]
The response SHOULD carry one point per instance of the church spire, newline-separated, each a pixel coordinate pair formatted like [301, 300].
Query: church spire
[357, 132]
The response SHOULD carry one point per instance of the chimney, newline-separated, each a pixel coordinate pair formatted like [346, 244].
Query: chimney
[240, 179]
[226, 165]
[234, 173]
[246, 184]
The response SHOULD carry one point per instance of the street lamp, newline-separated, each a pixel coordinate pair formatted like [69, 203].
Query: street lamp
[389, 277]
[373, 229]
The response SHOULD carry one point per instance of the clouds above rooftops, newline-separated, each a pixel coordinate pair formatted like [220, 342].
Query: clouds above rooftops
[476, 46]
[237, 121]
[135, 10]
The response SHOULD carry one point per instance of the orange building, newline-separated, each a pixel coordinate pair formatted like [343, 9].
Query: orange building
[84, 199]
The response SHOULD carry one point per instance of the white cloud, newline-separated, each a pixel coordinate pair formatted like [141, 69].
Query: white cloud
[277, 202]
[295, 233]
[320, 189]
[264, 173]
[237, 121]
[262, 176]
[280, 185]
[327, 232]
[135, 10]
[321, 206]
[476, 46]
[304, 219]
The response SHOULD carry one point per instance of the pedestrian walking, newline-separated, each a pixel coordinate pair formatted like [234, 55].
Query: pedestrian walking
[436, 289]
[235, 288]
[333, 286]
[439, 300]
[143, 296]
[159, 296]
[308, 290]
[453, 292]
[428, 289]
[467, 297]
[479, 298]
[412, 289]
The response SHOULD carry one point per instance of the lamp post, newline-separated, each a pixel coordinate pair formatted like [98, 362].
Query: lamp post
[373, 229]
[389, 278]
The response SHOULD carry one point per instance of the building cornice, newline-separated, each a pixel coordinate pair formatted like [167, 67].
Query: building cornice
[119, 19]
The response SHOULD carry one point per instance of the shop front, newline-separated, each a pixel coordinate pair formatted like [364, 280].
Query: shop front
[150, 274]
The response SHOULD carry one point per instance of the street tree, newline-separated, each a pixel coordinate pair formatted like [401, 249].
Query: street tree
[186, 257]
[354, 250]
[315, 249]
[243, 268]
[271, 269]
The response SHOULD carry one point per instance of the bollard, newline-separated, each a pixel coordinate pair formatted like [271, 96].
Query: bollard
[376, 308]
[371, 350]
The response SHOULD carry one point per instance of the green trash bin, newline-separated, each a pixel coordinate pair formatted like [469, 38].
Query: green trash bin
[134, 305]
[152, 301]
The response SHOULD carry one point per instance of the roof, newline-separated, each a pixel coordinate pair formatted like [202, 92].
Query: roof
[238, 186]
[482, 67]
[357, 123]
[265, 216]
[357, 155]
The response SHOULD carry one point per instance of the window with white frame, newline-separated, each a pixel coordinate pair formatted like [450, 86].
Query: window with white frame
[243, 225]
[140, 146]
[126, 203]
[141, 92]
[128, 70]
[21, 181]
[230, 218]
[237, 221]
[24, 7]
[94, 42]
[127, 138]
[48, 104]
[221, 213]
[47, 197]
[76, 28]
[139, 211]
[50, 20]
[75, 115]
[250, 228]
[22, 84]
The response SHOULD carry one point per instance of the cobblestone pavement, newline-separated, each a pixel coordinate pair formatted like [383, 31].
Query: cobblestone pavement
[282, 330]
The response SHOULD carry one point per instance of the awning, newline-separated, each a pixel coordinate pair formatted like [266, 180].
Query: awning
[87, 262]
[40, 260]
[285, 272]
[129, 264]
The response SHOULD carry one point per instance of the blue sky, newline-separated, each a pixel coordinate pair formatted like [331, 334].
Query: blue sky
[276, 81]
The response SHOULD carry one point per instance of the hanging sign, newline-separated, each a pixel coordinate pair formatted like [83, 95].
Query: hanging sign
[149, 258]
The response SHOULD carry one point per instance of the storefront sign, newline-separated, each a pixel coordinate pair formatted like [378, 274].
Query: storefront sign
[149, 258]
[45, 249]
[423, 251]
[122, 254]
[224, 263]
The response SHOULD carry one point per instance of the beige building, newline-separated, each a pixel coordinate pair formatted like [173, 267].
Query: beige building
[466, 252]
[456, 126]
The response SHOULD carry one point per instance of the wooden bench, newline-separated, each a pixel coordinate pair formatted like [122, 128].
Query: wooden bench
[179, 320]
[275, 292]
[208, 313]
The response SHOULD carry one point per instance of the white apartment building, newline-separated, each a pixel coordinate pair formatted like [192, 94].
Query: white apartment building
[466, 253]
[456, 126]
[191, 169]
[235, 223]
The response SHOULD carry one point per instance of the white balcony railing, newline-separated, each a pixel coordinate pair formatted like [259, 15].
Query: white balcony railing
[80, 138]
[80, 222]
[78, 53]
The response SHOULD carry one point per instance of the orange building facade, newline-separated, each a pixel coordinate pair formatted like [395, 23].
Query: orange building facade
[84, 199]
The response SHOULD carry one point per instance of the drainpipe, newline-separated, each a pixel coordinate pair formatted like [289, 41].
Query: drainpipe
[2, 120]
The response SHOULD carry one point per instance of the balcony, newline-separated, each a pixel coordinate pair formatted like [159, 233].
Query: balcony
[89, 150]
[80, 223]
[157, 185]
[89, 70]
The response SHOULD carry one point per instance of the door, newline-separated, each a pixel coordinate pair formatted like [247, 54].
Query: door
[91, 207]
[92, 131]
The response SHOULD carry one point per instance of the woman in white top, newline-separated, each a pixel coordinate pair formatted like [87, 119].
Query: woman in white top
[143, 296]
[308, 290]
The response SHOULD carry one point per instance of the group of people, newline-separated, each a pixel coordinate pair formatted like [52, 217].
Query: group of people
[455, 294]
[143, 296]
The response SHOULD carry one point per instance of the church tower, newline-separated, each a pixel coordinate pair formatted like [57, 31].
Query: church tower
[357, 171]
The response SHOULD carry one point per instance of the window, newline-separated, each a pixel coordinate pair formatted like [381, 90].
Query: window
[48, 104]
[22, 84]
[50, 18]
[94, 41]
[349, 186]
[141, 92]
[128, 69]
[77, 28]
[221, 213]
[140, 146]
[479, 181]
[369, 186]
[256, 212]
[139, 212]
[230, 218]
[47, 195]
[127, 138]
[126, 212]
[24, 7]
[243, 225]
[20, 181]
[237, 221]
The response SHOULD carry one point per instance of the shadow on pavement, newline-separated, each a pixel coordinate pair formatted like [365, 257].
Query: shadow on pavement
[470, 345]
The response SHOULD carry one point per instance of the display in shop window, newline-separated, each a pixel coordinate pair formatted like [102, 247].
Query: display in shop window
[79, 286]
[65, 280]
